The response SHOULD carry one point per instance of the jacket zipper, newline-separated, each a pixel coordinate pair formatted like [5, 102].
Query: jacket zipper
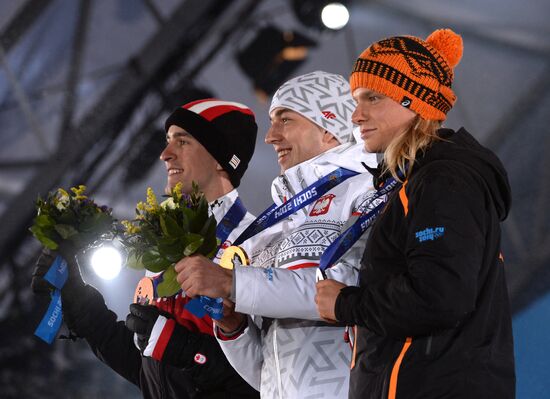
[429, 345]
[392, 393]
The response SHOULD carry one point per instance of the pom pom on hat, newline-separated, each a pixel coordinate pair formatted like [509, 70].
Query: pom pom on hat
[448, 44]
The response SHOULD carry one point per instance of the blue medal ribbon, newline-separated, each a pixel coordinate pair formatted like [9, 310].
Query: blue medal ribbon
[346, 240]
[56, 275]
[313, 192]
[214, 306]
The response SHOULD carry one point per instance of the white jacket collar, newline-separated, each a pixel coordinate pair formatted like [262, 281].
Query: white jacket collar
[298, 177]
[221, 205]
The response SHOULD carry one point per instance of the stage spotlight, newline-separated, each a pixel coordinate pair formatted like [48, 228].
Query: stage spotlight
[106, 262]
[270, 58]
[335, 16]
[321, 14]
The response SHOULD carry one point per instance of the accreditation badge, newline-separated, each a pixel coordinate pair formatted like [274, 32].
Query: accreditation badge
[232, 256]
[145, 291]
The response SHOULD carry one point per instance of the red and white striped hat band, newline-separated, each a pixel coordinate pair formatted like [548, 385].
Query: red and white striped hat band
[226, 129]
[211, 108]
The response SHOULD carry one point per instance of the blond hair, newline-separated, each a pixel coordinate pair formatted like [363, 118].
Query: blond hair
[402, 151]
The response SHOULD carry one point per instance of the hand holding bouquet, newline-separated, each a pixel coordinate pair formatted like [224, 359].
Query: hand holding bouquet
[66, 222]
[162, 234]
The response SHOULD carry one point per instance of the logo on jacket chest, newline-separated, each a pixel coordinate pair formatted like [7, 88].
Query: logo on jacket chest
[199, 358]
[322, 205]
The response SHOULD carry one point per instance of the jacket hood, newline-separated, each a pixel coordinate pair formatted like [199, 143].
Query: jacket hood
[350, 156]
[461, 146]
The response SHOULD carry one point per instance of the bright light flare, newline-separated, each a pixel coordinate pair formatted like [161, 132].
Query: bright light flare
[335, 16]
[106, 262]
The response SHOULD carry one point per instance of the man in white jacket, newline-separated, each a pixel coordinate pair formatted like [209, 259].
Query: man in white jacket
[283, 348]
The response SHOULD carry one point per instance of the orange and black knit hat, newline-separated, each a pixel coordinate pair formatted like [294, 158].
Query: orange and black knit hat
[416, 73]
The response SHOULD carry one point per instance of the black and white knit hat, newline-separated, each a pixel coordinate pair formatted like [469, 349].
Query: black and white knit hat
[226, 129]
[323, 98]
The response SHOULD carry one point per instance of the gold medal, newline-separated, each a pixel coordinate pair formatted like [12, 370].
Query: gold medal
[145, 291]
[234, 255]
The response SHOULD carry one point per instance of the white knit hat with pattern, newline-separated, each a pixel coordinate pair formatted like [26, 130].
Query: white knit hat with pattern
[323, 98]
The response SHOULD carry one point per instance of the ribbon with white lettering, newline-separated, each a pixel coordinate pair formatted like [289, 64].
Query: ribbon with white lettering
[311, 193]
[56, 275]
[346, 240]
[214, 306]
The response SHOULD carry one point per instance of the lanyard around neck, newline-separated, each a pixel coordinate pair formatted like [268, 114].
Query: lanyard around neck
[346, 240]
[275, 214]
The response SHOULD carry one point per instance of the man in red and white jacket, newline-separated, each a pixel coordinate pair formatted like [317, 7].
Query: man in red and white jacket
[164, 349]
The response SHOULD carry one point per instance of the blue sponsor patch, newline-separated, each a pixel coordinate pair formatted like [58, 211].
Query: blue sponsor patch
[430, 234]
[268, 273]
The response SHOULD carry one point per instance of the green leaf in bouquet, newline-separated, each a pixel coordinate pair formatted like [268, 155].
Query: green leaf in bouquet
[170, 248]
[169, 285]
[186, 216]
[68, 216]
[193, 241]
[149, 234]
[44, 240]
[96, 223]
[133, 261]
[154, 262]
[213, 251]
[65, 231]
[104, 222]
[208, 231]
[200, 215]
[169, 226]
[44, 220]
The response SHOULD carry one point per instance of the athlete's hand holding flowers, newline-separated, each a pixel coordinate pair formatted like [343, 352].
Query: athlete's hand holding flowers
[162, 234]
[67, 222]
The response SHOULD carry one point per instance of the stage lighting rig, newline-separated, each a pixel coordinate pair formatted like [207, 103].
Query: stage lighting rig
[271, 56]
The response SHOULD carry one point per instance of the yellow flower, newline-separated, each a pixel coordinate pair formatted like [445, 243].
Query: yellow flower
[177, 190]
[141, 206]
[62, 194]
[151, 200]
[79, 191]
[129, 227]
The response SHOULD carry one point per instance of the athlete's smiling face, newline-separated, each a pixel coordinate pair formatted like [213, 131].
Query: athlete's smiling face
[187, 161]
[295, 138]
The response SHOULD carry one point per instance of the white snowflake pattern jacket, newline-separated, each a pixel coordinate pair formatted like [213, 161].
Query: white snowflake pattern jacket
[287, 351]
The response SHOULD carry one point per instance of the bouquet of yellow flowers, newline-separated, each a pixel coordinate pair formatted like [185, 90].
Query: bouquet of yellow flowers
[70, 219]
[162, 234]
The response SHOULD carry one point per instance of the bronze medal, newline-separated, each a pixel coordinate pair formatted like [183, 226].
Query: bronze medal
[234, 255]
[145, 291]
